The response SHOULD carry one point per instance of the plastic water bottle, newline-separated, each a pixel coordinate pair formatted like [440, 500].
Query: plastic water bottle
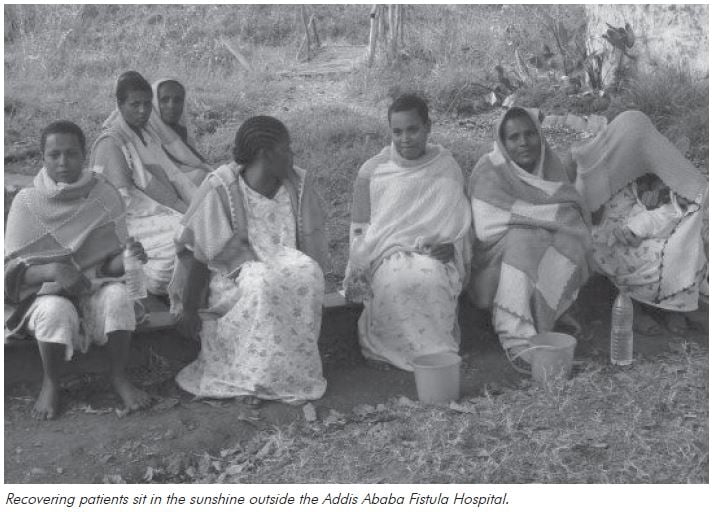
[134, 276]
[357, 286]
[622, 332]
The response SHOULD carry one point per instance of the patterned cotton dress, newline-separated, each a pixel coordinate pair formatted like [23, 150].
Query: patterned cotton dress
[266, 343]
[637, 271]
[413, 311]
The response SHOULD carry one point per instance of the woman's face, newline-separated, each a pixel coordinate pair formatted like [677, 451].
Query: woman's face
[409, 134]
[280, 159]
[136, 108]
[522, 142]
[171, 98]
[63, 157]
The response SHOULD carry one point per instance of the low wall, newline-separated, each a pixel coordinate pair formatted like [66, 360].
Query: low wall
[675, 35]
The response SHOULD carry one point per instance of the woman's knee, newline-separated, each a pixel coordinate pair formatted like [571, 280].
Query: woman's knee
[114, 296]
[53, 316]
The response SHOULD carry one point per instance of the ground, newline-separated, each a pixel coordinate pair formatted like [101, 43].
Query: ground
[94, 442]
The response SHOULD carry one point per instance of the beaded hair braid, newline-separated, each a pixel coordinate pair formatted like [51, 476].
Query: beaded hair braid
[256, 133]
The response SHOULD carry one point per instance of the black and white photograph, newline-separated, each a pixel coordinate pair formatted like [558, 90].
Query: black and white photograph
[459, 244]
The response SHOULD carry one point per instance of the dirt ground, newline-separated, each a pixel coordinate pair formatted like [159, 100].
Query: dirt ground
[91, 443]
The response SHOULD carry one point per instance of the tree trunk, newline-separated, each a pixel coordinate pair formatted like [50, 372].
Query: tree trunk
[305, 22]
[373, 33]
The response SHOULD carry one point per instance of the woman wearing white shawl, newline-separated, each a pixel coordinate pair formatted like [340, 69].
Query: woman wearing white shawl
[409, 203]
[168, 122]
[657, 256]
[155, 190]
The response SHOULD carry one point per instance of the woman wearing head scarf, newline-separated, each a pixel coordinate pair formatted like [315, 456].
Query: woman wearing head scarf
[168, 122]
[650, 201]
[412, 220]
[155, 189]
[64, 267]
[253, 240]
[532, 234]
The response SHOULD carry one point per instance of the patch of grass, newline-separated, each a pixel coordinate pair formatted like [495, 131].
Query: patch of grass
[647, 424]
[675, 100]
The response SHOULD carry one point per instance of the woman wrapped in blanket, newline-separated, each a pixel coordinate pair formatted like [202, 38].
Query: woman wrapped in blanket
[156, 190]
[169, 121]
[64, 267]
[532, 235]
[649, 203]
[250, 248]
[413, 219]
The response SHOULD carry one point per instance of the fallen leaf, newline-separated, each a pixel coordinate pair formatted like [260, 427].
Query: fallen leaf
[363, 409]
[113, 479]
[462, 408]
[104, 459]
[38, 471]
[406, 402]
[235, 469]
[166, 404]
[121, 412]
[266, 449]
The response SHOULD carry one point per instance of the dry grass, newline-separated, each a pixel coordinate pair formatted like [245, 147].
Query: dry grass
[648, 424]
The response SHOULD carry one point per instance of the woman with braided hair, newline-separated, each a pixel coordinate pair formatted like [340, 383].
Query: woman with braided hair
[250, 248]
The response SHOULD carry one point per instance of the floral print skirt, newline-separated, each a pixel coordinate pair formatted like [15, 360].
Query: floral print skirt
[637, 271]
[265, 345]
[413, 311]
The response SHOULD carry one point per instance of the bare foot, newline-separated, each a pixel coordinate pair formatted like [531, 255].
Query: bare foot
[645, 324]
[675, 322]
[47, 404]
[133, 397]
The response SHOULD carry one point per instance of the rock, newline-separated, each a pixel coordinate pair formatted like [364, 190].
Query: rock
[575, 123]
[595, 124]
[553, 122]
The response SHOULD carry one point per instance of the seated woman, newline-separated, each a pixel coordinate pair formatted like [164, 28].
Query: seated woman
[155, 190]
[168, 122]
[532, 235]
[414, 219]
[63, 266]
[257, 226]
[649, 201]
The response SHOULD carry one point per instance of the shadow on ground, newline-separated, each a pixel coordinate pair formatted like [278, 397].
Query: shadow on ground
[91, 443]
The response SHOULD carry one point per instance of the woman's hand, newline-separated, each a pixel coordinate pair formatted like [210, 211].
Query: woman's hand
[443, 253]
[70, 278]
[626, 236]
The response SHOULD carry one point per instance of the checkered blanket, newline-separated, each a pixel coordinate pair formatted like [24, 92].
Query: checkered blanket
[530, 254]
